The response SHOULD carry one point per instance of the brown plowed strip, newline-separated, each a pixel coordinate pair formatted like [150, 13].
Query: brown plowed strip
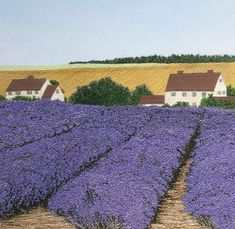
[38, 218]
[172, 214]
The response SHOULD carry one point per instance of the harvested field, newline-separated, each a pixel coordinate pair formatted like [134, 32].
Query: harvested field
[155, 76]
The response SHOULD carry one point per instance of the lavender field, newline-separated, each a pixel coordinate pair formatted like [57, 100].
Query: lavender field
[114, 165]
[211, 181]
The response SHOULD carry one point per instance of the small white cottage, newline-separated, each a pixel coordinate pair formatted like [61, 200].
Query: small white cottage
[189, 87]
[37, 87]
[192, 87]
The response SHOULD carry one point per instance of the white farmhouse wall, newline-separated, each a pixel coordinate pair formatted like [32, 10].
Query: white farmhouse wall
[219, 91]
[59, 95]
[22, 93]
[44, 86]
[192, 100]
[220, 88]
[148, 105]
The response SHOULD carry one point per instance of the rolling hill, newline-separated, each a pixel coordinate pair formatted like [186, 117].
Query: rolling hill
[155, 76]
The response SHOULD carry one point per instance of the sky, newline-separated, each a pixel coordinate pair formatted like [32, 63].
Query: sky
[45, 32]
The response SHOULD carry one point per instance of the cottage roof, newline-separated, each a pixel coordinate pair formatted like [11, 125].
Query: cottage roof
[49, 92]
[153, 99]
[30, 83]
[193, 81]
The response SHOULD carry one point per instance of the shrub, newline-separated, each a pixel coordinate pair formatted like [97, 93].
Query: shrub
[54, 82]
[181, 104]
[25, 98]
[230, 90]
[138, 92]
[2, 98]
[210, 101]
[102, 92]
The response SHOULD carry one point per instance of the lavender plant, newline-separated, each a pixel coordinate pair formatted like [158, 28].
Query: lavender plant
[130, 183]
[30, 173]
[22, 123]
[211, 181]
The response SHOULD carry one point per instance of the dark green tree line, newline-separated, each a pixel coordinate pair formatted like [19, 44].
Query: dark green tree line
[183, 58]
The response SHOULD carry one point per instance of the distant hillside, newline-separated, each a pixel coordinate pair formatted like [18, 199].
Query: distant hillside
[189, 58]
[155, 76]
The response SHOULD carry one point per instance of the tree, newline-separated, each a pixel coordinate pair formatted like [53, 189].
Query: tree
[230, 90]
[2, 98]
[54, 82]
[138, 92]
[187, 58]
[102, 92]
[208, 101]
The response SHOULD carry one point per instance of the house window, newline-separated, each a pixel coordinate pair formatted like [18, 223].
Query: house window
[173, 94]
[17, 92]
[36, 92]
[10, 93]
[29, 92]
[194, 94]
[220, 80]
[224, 92]
[57, 91]
[184, 94]
[219, 93]
[203, 94]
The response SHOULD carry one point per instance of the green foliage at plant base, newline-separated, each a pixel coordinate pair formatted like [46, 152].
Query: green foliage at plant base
[210, 101]
[25, 98]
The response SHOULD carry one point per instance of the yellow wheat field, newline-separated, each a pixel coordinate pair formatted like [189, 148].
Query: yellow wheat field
[155, 76]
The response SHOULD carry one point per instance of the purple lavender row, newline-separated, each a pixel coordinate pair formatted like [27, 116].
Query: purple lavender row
[29, 174]
[131, 182]
[211, 181]
[22, 123]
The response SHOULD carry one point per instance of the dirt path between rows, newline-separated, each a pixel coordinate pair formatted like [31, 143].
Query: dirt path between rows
[172, 214]
[38, 218]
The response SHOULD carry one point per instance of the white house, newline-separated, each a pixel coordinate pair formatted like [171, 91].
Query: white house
[34, 87]
[190, 87]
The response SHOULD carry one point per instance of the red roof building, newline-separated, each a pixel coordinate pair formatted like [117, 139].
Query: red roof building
[190, 88]
[34, 87]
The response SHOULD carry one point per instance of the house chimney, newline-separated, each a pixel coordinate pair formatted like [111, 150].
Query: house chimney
[180, 72]
[210, 71]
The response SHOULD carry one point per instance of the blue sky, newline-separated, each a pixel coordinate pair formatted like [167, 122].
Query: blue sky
[59, 31]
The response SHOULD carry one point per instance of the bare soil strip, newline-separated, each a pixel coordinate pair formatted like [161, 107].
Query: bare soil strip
[172, 214]
[38, 218]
